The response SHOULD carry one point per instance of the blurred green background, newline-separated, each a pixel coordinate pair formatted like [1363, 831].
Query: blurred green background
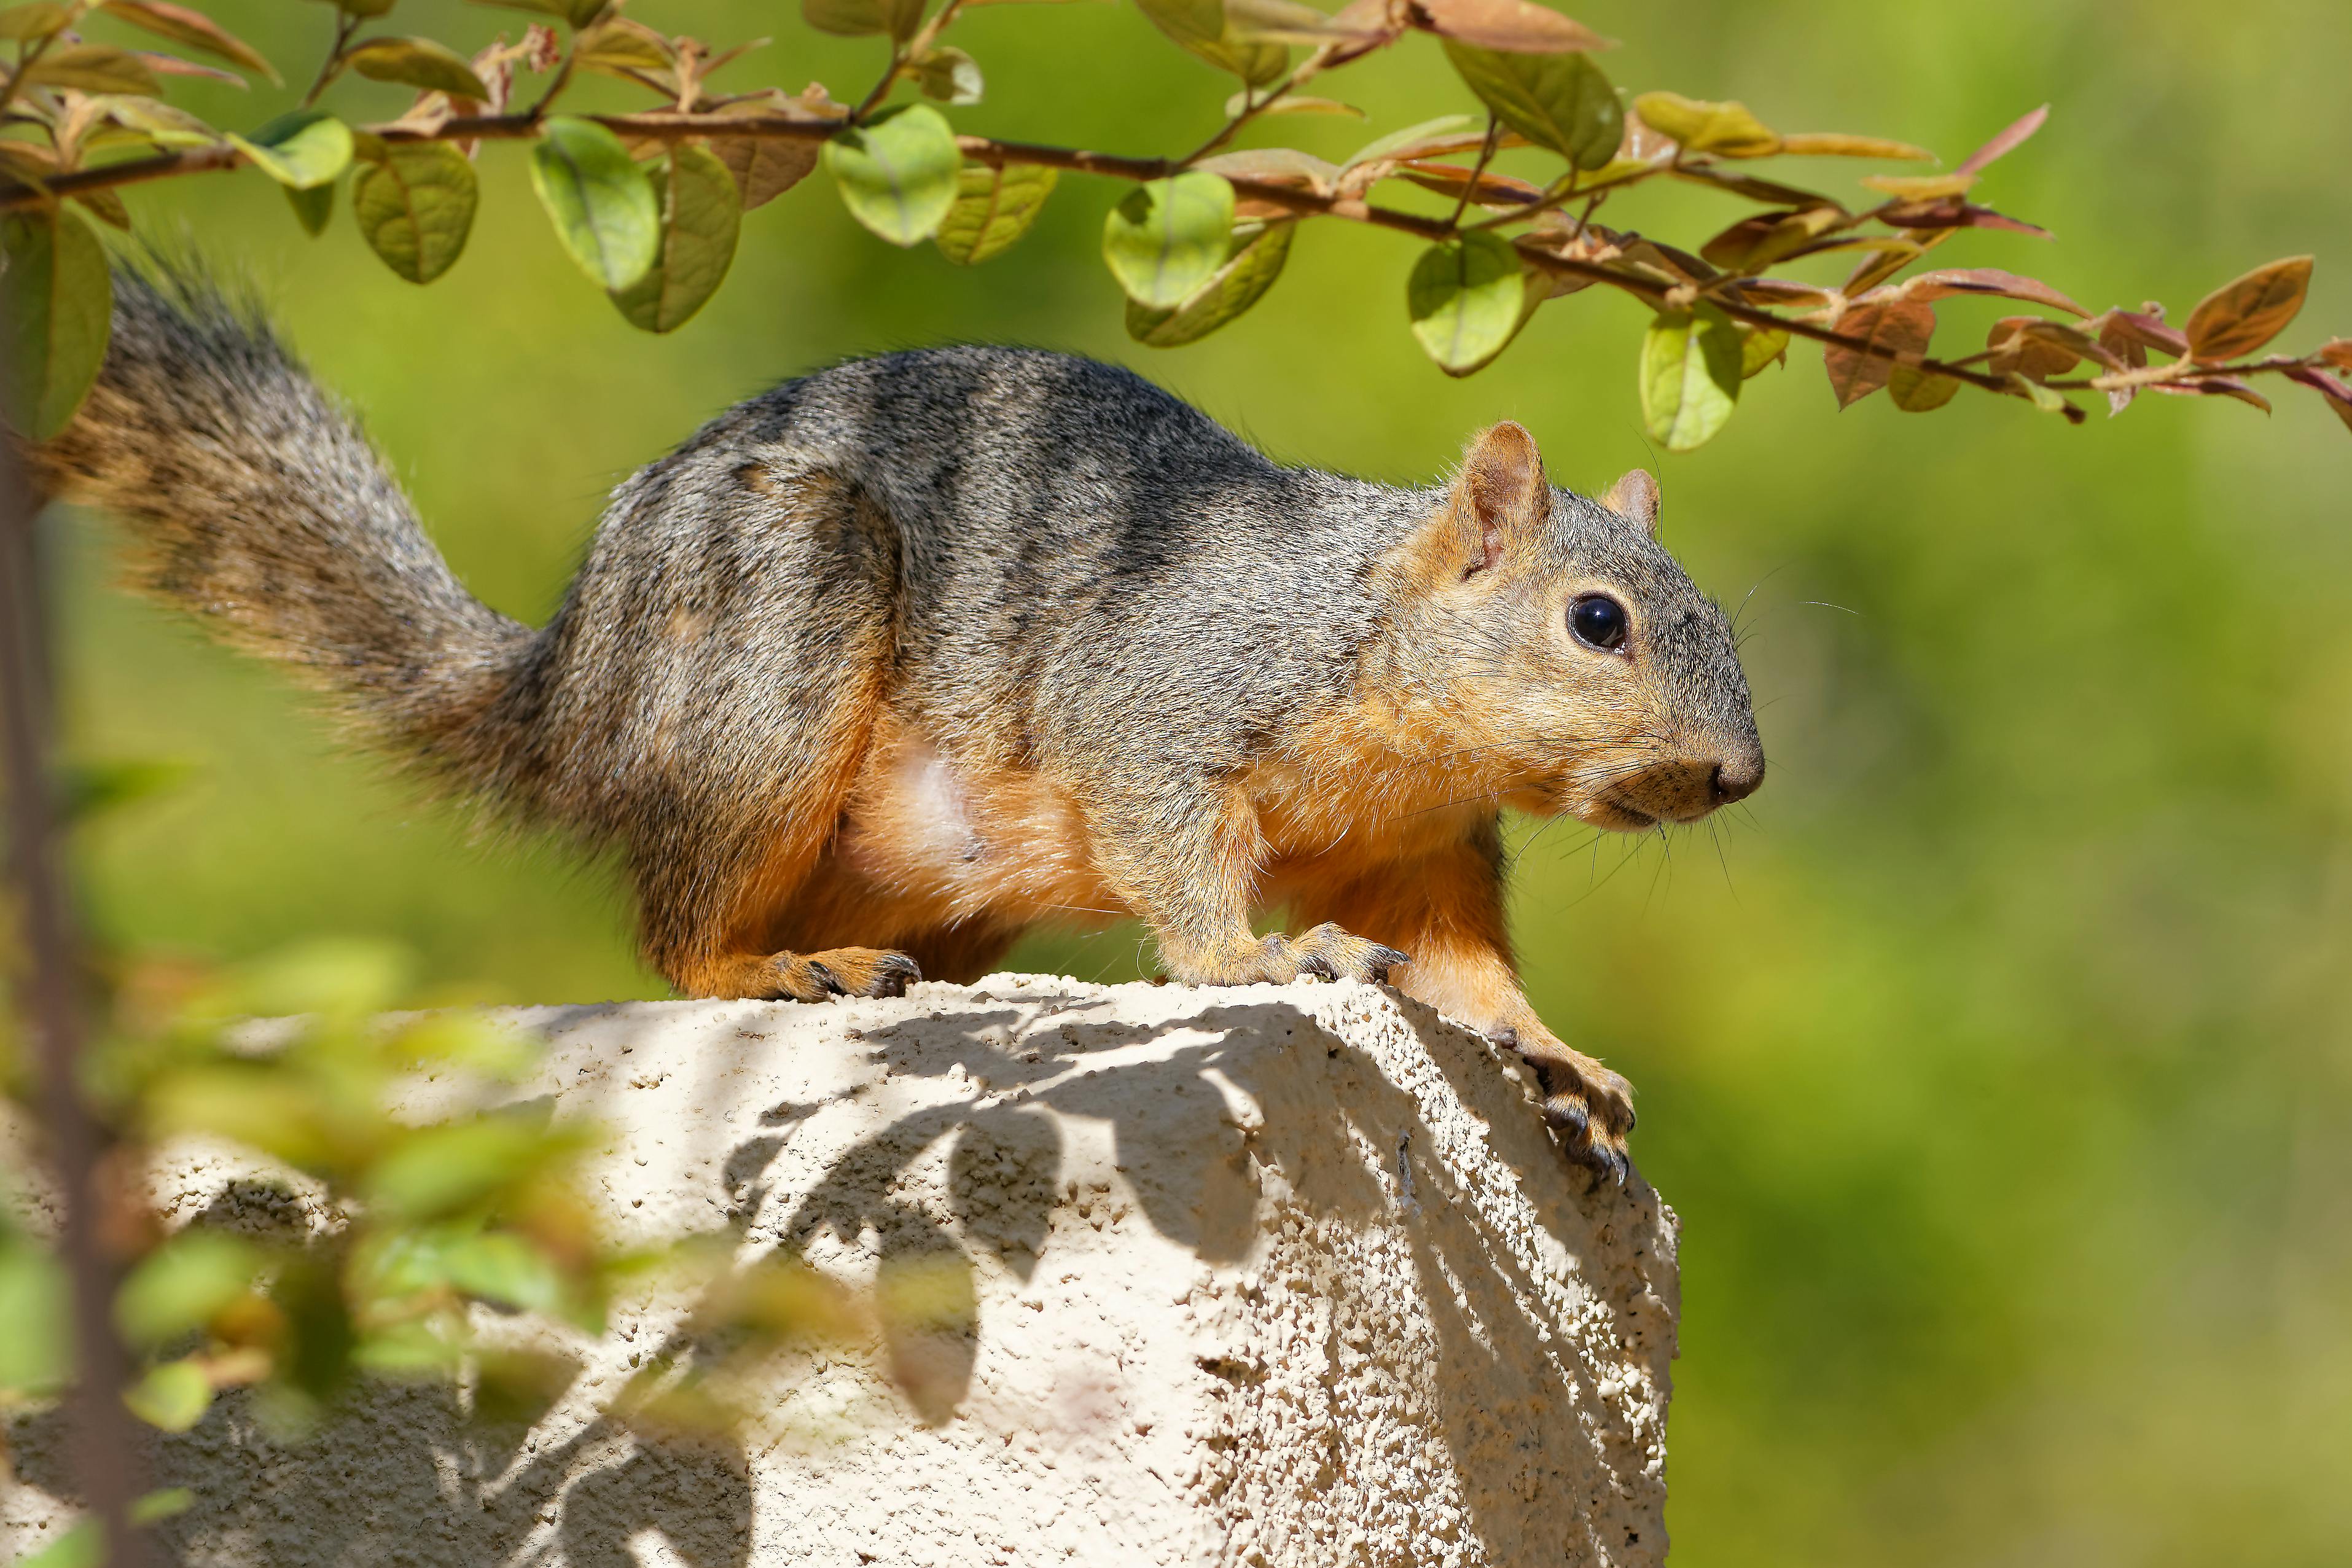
[1999, 1060]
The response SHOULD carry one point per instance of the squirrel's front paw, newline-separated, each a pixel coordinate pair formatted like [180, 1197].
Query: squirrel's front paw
[1326, 953]
[1592, 1106]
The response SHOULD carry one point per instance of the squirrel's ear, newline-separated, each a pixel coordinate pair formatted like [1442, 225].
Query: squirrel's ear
[1635, 499]
[1501, 493]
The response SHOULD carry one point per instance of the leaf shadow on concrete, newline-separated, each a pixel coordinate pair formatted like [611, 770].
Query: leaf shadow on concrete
[416, 1477]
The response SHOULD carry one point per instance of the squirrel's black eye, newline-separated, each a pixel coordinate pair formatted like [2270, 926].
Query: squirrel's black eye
[1599, 621]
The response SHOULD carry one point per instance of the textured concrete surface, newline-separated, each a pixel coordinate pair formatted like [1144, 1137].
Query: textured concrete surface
[1287, 1276]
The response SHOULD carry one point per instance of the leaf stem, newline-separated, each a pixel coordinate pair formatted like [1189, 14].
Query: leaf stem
[345, 25]
[1485, 156]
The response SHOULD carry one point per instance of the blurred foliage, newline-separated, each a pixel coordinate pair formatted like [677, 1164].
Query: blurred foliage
[396, 1229]
[1997, 1057]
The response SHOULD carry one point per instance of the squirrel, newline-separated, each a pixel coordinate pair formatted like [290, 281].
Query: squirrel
[887, 664]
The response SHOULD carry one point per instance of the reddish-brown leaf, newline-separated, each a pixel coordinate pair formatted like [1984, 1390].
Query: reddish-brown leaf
[1833, 145]
[2336, 396]
[1955, 214]
[1749, 186]
[2037, 348]
[1896, 327]
[1275, 166]
[1784, 291]
[2125, 344]
[2247, 312]
[1985, 280]
[1452, 179]
[1514, 26]
[2214, 386]
[2007, 140]
[2337, 351]
[2147, 327]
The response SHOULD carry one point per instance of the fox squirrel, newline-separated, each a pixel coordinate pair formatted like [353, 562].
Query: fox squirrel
[920, 650]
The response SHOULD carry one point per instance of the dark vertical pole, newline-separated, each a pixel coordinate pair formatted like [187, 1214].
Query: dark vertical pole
[104, 1433]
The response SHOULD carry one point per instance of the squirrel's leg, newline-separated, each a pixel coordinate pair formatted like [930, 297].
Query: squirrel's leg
[1446, 908]
[1188, 865]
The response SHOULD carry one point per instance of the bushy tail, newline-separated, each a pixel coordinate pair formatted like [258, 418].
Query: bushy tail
[255, 504]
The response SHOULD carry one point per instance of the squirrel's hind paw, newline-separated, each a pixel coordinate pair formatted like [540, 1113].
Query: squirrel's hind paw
[841, 972]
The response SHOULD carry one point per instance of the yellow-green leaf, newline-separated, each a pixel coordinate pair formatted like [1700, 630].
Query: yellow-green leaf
[22, 24]
[1561, 101]
[419, 63]
[1761, 347]
[93, 67]
[765, 167]
[993, 207]
[604, 206]
[182, 1285]
[702, 212]
[1691, 364]
[1920, 187]
[1257, 261]
[1728, 129]
[1466, 297]
[191, 29]
[618, 45]
[852, 18]
[1831, 144]
[1916, 391]
[57, 301]
[1165, 239]
[897, 173]
[2241, 315]
[416, 206]
[306, 148]
[172, 1397]
[949, 76]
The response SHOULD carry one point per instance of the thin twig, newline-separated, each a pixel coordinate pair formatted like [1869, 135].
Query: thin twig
[105, 1447]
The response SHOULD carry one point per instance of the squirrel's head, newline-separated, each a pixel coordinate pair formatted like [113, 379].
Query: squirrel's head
[1560, 659]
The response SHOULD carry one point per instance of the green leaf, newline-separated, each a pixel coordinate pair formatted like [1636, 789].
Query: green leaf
[312, 207]
[1690, 375]
[183, 1285]
[36, 1302]
[82, 1546]
[949, 76]
[438, 1170]
[93, 67]
[2049, 400]
[579, 13]
[702, 211]
[172, 1397]
[898, 173]
[160, 1505]
[604, 208]
[367, 9]
[1559, 101]
[1201, 27]
[1166, 238]
[1257, 258]
[191, 29]
[504, 1268]
[1396, 141]
[1466, 297]
[56, 300]
[416, 206]
[419, 63]
[306, 148]
[993, 207]
[338, 979]
[24, 23]
[1916, 391]
[853, 18]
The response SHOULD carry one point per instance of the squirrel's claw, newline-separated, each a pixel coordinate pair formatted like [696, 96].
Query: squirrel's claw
[1592, 1107]
[843, 972]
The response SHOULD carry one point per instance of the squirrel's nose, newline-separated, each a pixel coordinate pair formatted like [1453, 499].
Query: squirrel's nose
[1738, 779]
